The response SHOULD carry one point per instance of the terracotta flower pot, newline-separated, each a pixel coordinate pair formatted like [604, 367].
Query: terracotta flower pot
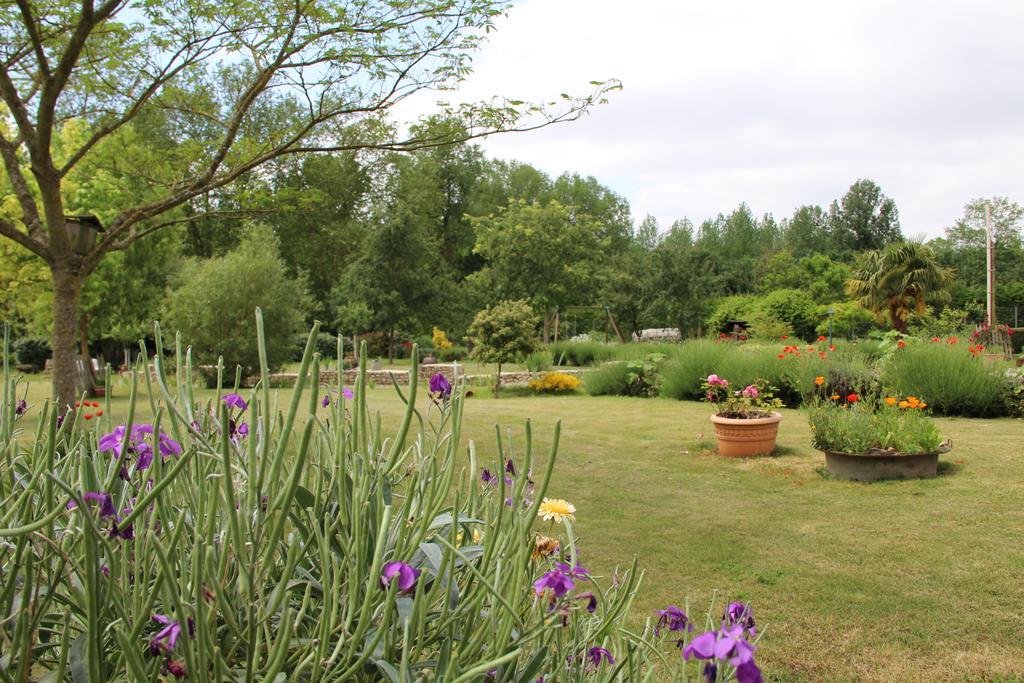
[738, 437]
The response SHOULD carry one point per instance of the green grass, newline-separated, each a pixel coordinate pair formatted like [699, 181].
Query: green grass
[916, 580]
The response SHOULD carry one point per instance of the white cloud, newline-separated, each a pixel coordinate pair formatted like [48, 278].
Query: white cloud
[774, 103]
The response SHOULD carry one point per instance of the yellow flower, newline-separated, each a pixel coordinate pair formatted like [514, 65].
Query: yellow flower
[557, 509]
[922, 405]
[819, 380]
[904, 404]
[890, 400]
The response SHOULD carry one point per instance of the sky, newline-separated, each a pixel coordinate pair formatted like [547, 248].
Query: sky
[776, 104]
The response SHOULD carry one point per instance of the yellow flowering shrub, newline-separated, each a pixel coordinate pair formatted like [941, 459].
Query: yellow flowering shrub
[440, 339]
[555, 383]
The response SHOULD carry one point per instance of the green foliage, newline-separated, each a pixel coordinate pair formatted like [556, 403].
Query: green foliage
[580, 354]
[638, 377]
[765, 327]
[214, 300]
[864, 426]
[849, 319]
[503, 333]
[947, 377]
[548, 253]
[32, 351]
[684, 374]
[538, 361]
[334, 532]
[737, 307]
[864, 218]
[453, 353]
[792, 307]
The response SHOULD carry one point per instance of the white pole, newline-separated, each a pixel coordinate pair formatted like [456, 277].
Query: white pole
[990, 256]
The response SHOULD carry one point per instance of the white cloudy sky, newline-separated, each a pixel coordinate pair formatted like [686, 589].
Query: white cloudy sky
[777, 103]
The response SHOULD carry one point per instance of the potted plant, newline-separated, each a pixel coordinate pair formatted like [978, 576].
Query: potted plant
[746, 421]
[868, 440]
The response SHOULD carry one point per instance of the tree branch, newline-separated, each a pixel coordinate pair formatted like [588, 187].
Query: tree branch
[29, 210]
[34, 37]
[9, 230]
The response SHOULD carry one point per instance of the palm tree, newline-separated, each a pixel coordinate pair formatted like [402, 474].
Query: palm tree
[898, 279]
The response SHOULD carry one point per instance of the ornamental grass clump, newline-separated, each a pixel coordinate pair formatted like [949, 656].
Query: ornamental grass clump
[271, 536]
[890, 425]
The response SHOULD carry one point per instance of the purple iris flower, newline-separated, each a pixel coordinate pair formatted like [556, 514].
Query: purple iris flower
[487, 478]
[440, 385]
[674, 618]
[595, 654]
[576, 572]
[145, 456]
[327, 400]
[406, 574]
[126, 533]
[243, 429]
[710, 671]
[167, 637]
[732, 645]
[742, 614]
[168, 446]
[510, 467]
[747, 672]
[591, 601]
[347, 393]
[701, 647]
[107, 508]
[555, 581]
[113, 441]
[20, 407]
[234, 401]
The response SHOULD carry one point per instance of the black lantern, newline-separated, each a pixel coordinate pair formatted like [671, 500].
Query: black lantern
[82, 232]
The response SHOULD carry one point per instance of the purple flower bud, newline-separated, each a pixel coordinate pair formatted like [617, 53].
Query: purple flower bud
[327, 400]
[440, 385]
[347, 393]
[20, 407]
[595, 654]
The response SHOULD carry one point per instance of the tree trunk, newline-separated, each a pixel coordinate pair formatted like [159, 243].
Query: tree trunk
[391, 345]
[67, 288]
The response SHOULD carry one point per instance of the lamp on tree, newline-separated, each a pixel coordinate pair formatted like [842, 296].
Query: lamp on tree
[82, 231]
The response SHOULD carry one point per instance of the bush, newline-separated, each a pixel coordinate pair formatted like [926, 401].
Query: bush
[555, 383]
[867, 425]
[626, 378]
[581, 353]
[452, 354]
[503, 333]
[215, 298]
[737, 307]
[950, 379]
[538, 361]
[32, 351]
[682, 376]
[792, 307]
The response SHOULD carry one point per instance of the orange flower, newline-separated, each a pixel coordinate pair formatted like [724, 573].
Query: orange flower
[951, 340]
[890, 400]
[821, 354]
[900, 344]
[835, 397]
[922, 405]
[904, 404]
[832, 347]
[785, 336]
[819, 380]
[912, 401]
[821, 338]
[782, 355]
[936, 339]
[99, 412]
[852, 398]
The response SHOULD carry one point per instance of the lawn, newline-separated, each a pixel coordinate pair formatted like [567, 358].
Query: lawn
[916, 580]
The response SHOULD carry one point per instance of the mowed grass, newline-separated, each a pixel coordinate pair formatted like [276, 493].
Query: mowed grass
[893, 581]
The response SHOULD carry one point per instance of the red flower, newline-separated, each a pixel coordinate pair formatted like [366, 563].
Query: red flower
[87, 416]
[900, 344]
[782, 355]
[98, 413]
[95, 404]
[936, 339]
[821, 354]
[785, 336]
[852, 398]
[821, 338]
[832, 347]
[951, 340]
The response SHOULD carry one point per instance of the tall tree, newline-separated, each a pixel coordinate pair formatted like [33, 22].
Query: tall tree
[864, 218]
[237, 85]
[898, 280]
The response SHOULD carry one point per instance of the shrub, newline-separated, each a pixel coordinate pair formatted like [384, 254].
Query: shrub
[452, 353]
[321, 550]
[792, 307]
[555, 383]
[609, 379]
[538, 361]
[439, 339]
[682, 376]
[952, 380]
[32, 351]
[581, 353]
[214, 300]
[626, 377]
[849, 319]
